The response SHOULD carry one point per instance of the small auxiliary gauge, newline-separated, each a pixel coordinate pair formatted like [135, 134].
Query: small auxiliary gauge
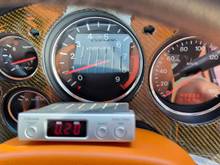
[21, 100]
[18, 58]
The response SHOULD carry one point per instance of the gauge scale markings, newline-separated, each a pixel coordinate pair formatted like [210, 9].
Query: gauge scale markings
[98, 66]
[176, 94]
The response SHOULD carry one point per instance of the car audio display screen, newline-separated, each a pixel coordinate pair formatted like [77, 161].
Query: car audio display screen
[64, 128]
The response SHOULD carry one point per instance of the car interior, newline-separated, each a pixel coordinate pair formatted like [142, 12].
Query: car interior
[110, 82]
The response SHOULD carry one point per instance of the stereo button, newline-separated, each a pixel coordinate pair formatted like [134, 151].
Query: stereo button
[30, 132]
[102, 132]
[120, 132]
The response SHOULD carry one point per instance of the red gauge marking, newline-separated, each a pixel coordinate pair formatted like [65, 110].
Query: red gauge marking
[79, 87]
[86, 67]
[135, 68]
[23, 61]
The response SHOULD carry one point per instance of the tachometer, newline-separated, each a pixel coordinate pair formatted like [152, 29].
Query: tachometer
[184, 80]
[93, 56]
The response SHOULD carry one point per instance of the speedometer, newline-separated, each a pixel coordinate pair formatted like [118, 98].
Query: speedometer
[93, 56]
[184, 80]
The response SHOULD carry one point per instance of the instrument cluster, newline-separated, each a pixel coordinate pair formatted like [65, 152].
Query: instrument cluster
[171, 80]
[94, 56]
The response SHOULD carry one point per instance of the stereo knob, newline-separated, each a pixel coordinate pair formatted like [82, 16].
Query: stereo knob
[30, 132]
[120, 132]
[102, 131]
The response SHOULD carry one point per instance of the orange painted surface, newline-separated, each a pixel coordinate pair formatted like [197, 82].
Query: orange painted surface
[148, 149]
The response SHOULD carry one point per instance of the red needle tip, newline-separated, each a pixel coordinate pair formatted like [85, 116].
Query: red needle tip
[23, 60]
[86, 67]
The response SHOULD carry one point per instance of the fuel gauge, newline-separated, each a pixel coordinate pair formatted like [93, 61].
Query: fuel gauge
[18, 58]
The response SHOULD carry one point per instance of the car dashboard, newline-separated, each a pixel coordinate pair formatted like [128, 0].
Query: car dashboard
[80, 54]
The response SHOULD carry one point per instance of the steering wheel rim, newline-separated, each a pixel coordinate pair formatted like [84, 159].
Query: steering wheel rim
[197, 17]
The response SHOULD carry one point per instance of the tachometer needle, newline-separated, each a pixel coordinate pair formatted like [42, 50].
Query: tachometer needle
[86, 67]
[23, 61]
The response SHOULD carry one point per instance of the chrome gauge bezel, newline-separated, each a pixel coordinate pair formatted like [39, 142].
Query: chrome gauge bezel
[201, 117]
[66, 26]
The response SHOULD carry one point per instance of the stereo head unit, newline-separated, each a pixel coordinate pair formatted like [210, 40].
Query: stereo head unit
[94, 122]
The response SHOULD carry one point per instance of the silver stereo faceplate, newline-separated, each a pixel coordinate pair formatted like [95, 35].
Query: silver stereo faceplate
[94, 122]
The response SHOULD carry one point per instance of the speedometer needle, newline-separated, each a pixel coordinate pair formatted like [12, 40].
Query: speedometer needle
[23, 61]
[86, 67]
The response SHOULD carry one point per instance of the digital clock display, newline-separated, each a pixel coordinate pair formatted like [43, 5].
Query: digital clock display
[61, 128]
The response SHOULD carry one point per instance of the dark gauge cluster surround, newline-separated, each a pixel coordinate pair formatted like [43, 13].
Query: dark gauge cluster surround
[18, 58]
[185, 94]
[93, 56]
[21, 100]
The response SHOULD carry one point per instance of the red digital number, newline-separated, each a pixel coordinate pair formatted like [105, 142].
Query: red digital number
[67, 128]
[58, 129]
[76, 129]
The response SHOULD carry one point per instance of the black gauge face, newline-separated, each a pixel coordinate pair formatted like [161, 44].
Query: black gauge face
[21, 101]
[181, 92]
[18, 58]
[96, 59]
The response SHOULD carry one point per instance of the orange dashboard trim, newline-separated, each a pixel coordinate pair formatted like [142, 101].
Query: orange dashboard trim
[148, 149]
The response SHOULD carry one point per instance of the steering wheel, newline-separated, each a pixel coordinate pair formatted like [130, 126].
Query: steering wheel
[199, 17]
